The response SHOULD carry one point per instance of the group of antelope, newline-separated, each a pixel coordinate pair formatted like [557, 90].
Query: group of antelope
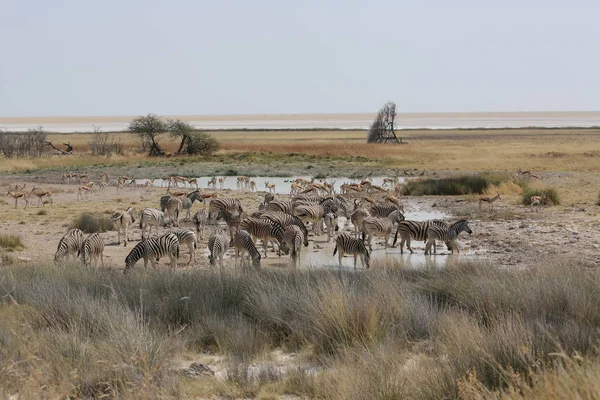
[20, 194]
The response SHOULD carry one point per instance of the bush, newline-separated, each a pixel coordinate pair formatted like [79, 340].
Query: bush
[30, 143]
[201, 143]
[551, 196]
[11, 242]
[103, 144]
[477, 184]
[90, 223]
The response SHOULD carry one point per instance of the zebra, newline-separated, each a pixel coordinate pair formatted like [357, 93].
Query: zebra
[265, 230]
[69, 244]
[200, 219]
[375, 226]
[92, 248]
[151, 217]
[331, 222]
[285, 206]
[218, 244]
[416, 230]
[287, 220]
[122, 220]
[153, 249]
[346, 244]
[449, 234]
[172, 206]
[186, 236]
[227, 204]
[314, 214]
[357, 218]
[269, 197]
[243, 243]
[383, 210]
[293, 237]
[232, 221]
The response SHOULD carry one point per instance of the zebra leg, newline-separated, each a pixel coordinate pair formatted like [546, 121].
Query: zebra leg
[173, 263]
[101, 259]
[191, 247]
[355, 256]
[340, 255]
[428, 246]
[386, 238]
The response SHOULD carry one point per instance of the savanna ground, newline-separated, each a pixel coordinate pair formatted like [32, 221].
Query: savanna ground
[516, 318]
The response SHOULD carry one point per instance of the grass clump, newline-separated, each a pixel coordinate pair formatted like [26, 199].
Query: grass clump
[42, 212]
[92, 223]
[467, 184]
[11, 242]
[551, 195]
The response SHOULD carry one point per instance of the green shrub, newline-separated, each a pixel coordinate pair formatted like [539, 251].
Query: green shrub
[476, 184]
[91, 223]
[551, 195]
[11, 242]
[201, 143]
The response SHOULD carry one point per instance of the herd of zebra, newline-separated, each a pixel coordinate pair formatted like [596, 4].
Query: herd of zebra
[283, 223]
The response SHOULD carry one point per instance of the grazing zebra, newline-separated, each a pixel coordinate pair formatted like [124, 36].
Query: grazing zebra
[375, 226]
[151, 217]
[416, 230]
[383, 210]
[264, 230]
[346, 244]
[17, 196]
[287, 220]
[536, 201]
[200, 219]
[186, 203]
[92, 248]
[153, 249]
[447, 234]
[285, 206]
[293, 237]
[232, 221]
[357, 218]
[173, 209]
[122, 220]
[227, 204]
[270, 186]
[69, 244]
[185, 236]
[489, 200]
[314, 214]
[331, 222]
[269, 197]
[243, 243]
[218, 244]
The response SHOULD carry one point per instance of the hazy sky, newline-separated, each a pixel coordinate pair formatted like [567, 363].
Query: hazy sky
[133, 57]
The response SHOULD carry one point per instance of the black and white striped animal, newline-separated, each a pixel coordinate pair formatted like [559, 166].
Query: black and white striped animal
[150, 217]
[265, 230]
[224, 204]
[232, 221]
[383, 210]
[346, 244]
[293, 237]
[417, 230]
[218, 244]
[313, 214]
[449, 234]
[185, 236]
[92, 248]
[173, 208]
[331, 223]
[243, 243]
[153, 249]
[357, 218]
[69, 245]
[200, 219]
[189, 201]
[285, 206]
[287, 220]
[382, 227]
[123, 220]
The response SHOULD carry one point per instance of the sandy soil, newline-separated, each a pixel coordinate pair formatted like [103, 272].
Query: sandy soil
[510, 236]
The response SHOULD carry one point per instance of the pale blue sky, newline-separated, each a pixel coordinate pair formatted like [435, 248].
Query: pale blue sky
[305, 56]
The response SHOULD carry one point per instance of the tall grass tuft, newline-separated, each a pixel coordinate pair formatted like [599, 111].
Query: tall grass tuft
[468, 184]
[92, 223]
[551, 194]
[11, 242]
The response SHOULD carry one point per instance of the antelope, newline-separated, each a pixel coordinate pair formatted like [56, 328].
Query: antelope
[222, 182]
[252, 186]
[377, 188]
[66, 177]
[489, 200]
[537, 201]
[81, 176]
[193, 182]
[294, 188]
[17, 196]
[104, 177]
[270, 186]
[39, 193]
[84, 189]
[370, 200]
[392, 200]
[177, 193]
[212, 182]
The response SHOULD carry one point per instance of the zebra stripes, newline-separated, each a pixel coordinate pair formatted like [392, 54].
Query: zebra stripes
[331, 223]
[69, 245]
[265, 230]
[449, 234]
[287, 220]
[150, 217]
[92, 248]
[357, 218]
[416, 230]
[153, 249]
[314, 214]
[243, 243]
[185, 236]
[200, 219]
[226, 204]
[346, 244]
[383, 210]
[173, 208]
[218, 244]
[284, 206]
[293, 237]
[375, 226]
[122, 220]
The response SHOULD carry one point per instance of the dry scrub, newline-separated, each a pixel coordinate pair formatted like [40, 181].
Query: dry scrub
[385, 333]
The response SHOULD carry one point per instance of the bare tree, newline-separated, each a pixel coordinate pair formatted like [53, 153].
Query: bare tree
[148, 129]
[30, 143]
[382, 130]
[103, 144]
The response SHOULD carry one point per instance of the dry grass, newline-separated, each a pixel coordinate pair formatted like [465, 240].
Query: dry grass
[11, 242]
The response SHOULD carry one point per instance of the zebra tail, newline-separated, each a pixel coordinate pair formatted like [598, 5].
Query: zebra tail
[335, 250]
[141, 225]
[396, 237]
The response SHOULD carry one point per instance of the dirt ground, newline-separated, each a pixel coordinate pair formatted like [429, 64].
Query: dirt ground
[511, 235]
